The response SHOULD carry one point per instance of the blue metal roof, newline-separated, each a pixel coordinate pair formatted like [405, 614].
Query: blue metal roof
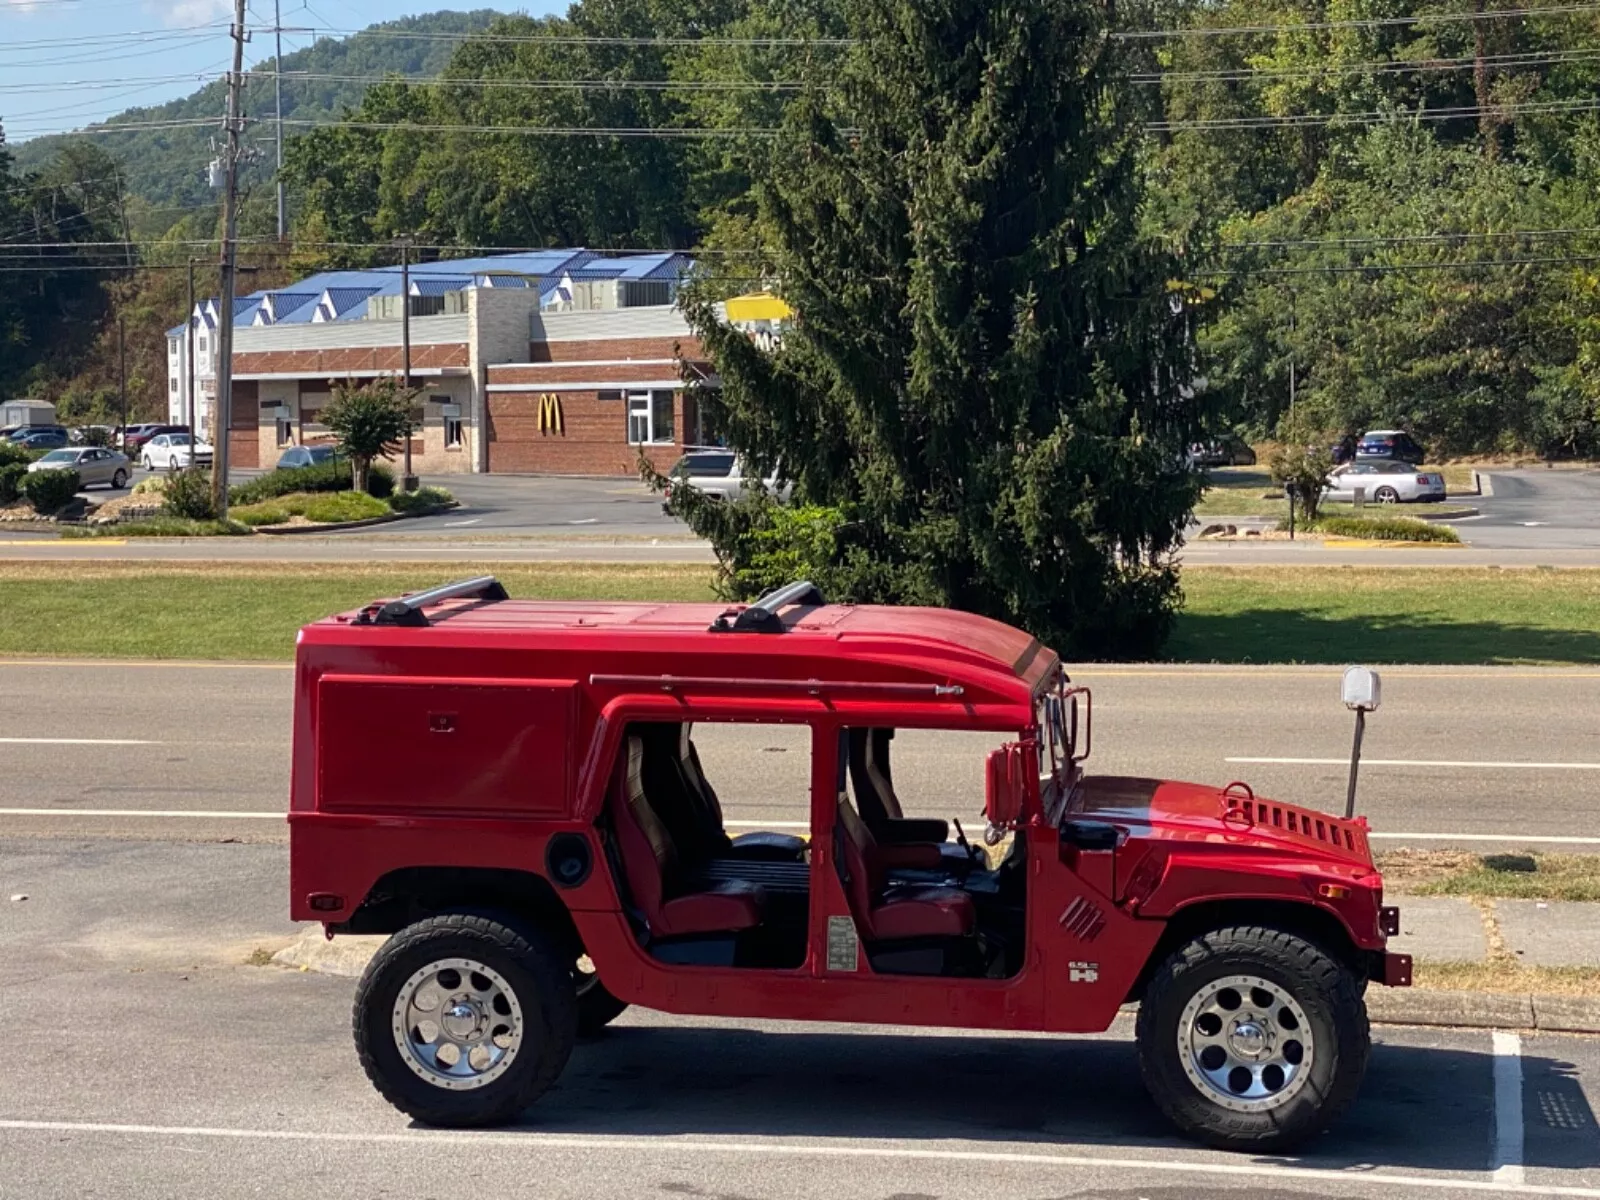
[541, 268]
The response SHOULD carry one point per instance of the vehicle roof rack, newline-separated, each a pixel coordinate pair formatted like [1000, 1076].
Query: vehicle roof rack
[408, 609]
[762, 616]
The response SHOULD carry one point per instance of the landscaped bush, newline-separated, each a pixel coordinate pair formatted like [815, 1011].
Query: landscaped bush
[10, 453]
[333, 476]
[50, 491]
[323, 508]
[153, 486]
[420, 500]
[11, 476]
[188, 495]
[1389, 529]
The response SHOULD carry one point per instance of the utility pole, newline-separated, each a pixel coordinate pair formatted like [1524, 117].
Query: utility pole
[194, 430]
[1291, 356]
[122, 371]
[277, 90]
[230, 229]
[408, 481]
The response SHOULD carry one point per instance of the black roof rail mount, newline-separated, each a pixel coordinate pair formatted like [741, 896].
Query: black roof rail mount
[408, 609]
[762, 616]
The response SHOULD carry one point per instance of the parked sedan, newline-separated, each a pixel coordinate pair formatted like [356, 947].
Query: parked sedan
[1229, 451]
[135, 439]
[92, 463]
[45, 437]
[170, 451]
[306, 456]
[1385, 481]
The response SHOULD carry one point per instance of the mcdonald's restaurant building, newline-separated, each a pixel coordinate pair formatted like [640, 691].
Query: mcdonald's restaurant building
[506, 384]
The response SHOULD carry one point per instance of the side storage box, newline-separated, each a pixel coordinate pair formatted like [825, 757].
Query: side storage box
[457, 746]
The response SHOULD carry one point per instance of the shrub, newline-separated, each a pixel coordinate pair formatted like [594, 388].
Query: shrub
[370, 421]
[421, 500]
[152, 486]
[320, 507]
[50, 491]
[188, 495]
[1391, 529]
[11, 476]
[333, 476]
[10, 453]
[1303, 460]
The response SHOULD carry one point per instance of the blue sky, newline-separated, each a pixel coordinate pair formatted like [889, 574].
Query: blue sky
[66, 63]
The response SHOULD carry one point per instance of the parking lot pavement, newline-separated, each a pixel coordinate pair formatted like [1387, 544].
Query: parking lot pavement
[158, 1064]
[1484, 758]
[1538, 509]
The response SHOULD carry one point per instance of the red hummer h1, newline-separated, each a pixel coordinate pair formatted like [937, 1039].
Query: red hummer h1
[513, 791]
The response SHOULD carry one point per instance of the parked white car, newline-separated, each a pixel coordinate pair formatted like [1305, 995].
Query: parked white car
[1385, 480]
[720, 474]
[171, 451]
[93, 464]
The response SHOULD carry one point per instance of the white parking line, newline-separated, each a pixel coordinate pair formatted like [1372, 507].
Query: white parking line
[1508, 1109]
[21, 741]
[659, 1147]
[1483, 764]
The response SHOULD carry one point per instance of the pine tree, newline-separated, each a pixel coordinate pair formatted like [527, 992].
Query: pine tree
[984, 385]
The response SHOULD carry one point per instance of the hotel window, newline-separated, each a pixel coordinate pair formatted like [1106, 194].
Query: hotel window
[650, 418]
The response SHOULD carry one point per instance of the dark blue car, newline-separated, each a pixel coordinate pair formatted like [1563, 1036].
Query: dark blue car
[46, 438]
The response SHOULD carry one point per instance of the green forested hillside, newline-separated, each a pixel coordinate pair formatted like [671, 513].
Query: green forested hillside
[165, 168]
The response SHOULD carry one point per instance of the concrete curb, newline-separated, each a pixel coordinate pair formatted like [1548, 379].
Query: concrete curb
[347, 956]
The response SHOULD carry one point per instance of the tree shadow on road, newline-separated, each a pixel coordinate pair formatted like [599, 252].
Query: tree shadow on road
[1422, 1107]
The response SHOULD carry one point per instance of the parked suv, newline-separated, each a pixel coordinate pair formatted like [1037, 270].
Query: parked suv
[1390, 443]
[513, 791]
[720, 474]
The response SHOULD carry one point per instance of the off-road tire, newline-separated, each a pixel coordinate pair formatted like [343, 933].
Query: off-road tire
[1326, 990]
[597, 1008]
[537, 974]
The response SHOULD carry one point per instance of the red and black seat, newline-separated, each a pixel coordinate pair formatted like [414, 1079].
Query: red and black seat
[873, 786]
[655, 871]
[886, 913]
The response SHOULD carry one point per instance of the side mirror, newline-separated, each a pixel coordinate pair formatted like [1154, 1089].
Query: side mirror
[1005, 786]
[1362, 689]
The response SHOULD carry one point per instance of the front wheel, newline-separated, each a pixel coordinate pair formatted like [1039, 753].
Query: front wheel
[147, 464]
[1253, 1039]
[463, 1021]
[120, 479]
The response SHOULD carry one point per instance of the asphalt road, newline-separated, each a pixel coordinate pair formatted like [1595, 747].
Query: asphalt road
[149, 1062]
[1538, 510]
[1480, 757]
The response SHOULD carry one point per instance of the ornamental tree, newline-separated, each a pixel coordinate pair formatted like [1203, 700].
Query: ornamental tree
[987, 378]
[369, 421]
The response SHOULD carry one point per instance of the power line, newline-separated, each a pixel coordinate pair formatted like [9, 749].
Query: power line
[691, 85]
[1311, 120]
[1356, 23]
[564, 39]
[1380, 67]
[1394, 268]
[1406, 239]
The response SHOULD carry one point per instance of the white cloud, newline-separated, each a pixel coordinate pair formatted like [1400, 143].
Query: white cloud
[26, 6]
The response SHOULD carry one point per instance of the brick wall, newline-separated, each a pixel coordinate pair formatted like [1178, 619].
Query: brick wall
[594, 440]
[613, 348]
[244, 448]
[346, 360]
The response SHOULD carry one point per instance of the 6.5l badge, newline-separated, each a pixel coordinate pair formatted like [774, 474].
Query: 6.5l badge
[1083, 972]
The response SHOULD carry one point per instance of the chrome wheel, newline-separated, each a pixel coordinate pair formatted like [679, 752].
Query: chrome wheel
[458, 1024]
[1245, 1043]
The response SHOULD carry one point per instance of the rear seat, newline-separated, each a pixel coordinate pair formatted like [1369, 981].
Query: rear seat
[658, 881]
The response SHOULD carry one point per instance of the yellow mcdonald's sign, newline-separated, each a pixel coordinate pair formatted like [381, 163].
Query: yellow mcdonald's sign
[551, 417]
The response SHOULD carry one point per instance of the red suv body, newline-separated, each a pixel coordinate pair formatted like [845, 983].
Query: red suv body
[513, 790]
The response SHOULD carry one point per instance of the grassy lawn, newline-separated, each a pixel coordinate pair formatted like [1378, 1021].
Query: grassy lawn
[228, 610]
[1243, 615]
[1388, 615]
[1527, 875]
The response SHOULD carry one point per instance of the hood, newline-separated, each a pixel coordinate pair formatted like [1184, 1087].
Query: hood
[1164, 810]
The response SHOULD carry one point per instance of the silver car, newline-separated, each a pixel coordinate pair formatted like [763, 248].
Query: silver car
[720, 474]
[94, 464]
[1385, 481]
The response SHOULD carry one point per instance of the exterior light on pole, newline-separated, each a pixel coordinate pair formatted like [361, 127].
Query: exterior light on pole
[1362, 690]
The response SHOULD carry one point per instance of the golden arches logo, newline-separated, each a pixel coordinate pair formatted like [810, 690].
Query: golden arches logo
[551, 417]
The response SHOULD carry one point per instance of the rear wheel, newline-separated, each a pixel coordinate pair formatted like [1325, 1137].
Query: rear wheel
[1252, 1039]
[1386, 495]
[461, 1020]
[597, 1007]
[120, 479]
